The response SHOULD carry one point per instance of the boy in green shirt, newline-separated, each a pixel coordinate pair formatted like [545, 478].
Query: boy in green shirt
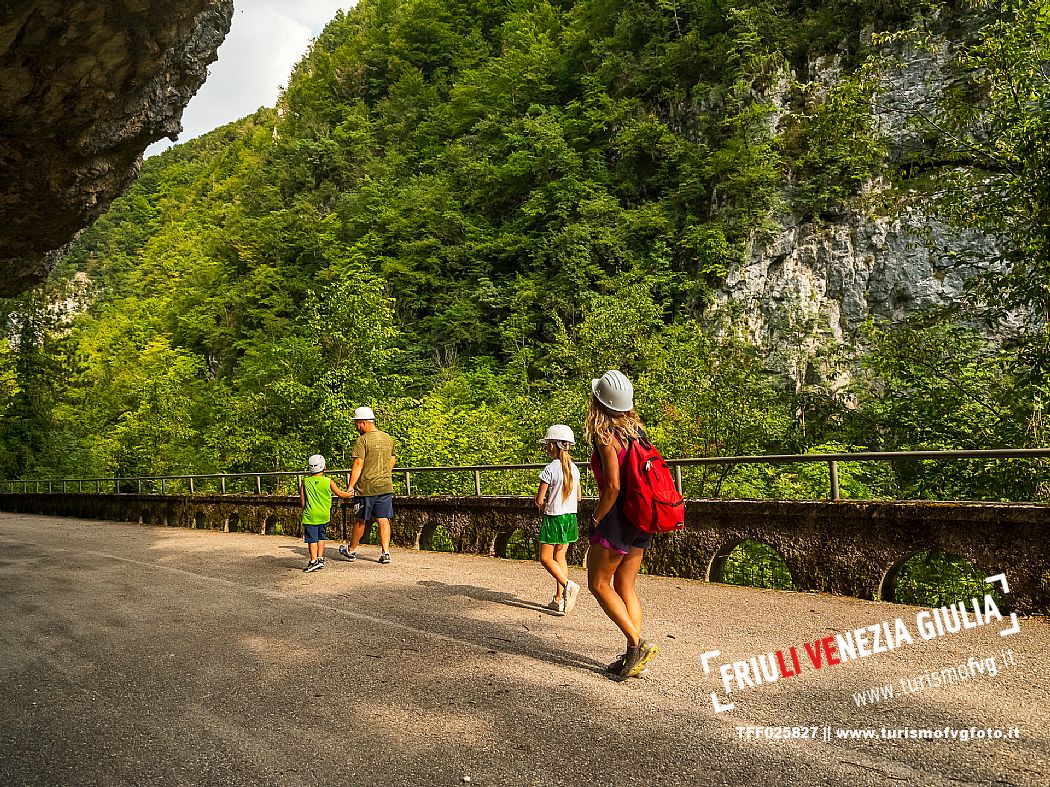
[315, 496]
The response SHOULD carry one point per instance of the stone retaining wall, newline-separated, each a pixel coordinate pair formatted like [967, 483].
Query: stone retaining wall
[845, 548]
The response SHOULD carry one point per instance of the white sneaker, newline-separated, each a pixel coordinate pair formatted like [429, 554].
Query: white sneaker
[572, 592]
[557, 606]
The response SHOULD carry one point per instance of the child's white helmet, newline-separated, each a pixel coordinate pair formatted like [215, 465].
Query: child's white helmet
[559, 433]
[315, 464]
[614, 390]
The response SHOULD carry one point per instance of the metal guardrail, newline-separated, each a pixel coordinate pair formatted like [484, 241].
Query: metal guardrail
[127, 485]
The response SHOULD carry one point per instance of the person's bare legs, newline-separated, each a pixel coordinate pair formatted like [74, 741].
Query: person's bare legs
[557, 568]
[602, 565]
[357, 535]
[623, 584]
[561, 554]
[384, 533]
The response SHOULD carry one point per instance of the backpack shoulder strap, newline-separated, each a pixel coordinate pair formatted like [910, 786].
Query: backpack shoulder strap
[642, 439]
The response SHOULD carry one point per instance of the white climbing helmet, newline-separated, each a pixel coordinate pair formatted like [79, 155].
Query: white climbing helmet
[364, 414]
[614, 390]
[315, 464]
[559, 433]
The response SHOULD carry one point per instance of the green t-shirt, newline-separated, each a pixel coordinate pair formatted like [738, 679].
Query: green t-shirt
[376, 448]
[318, 491]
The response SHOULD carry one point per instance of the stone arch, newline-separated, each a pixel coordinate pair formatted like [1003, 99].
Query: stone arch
[772, 572]
[233, 523]
[435, 538]
[499, 546]
[200, 521]
[270, 526]
[517, 544]
[951, 577]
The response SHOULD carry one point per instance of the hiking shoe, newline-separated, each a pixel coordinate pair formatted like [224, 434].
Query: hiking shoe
[617, 666]
[384, 558]
[572, 592]
[636, 658]
[313, 565]
[557, 606]
[346, 553]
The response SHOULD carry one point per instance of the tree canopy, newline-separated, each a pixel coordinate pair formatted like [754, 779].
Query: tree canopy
[463, 210]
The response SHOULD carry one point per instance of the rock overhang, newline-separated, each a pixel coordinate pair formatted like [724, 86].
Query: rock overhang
[85, 87]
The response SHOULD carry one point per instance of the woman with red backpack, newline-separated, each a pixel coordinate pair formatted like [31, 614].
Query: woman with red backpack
[617, 546]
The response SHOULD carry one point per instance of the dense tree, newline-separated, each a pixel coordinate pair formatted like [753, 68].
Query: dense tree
[461, 211]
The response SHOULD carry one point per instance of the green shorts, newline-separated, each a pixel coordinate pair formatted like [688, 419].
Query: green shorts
[559, 529]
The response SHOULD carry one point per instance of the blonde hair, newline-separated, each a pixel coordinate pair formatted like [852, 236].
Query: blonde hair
[603, 424]
[566, 468]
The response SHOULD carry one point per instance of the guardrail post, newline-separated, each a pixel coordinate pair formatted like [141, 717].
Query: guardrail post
[98, 487]
[140, 486]
[116, 486]
[678, 478]
[163, 486]
[833, 467]
[50, 486]
[191, 485]
[477, 483]
[222, 483]
[258, 484]
[408, 484]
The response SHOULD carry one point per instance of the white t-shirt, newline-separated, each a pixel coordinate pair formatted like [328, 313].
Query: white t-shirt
[552, 476]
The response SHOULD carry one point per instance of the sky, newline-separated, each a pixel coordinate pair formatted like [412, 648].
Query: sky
[266, 40]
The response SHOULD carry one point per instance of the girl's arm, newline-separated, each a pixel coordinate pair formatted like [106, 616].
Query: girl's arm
[337, 491]
[541, 495]
[302, 495]
[579, 486]
[611, 489]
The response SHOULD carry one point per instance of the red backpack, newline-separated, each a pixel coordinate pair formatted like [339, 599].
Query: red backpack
[650, 500]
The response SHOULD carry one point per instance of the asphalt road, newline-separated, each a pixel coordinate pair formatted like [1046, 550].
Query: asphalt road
[148, 655]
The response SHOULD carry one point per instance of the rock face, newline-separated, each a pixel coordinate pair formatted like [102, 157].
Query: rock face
[85, 87]
[812, 285]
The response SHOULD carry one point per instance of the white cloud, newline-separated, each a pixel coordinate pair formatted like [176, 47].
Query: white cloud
[266, 40]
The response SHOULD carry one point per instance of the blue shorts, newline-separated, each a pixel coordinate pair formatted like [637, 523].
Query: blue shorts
[616, 533]
[314, 533]
[376, 507]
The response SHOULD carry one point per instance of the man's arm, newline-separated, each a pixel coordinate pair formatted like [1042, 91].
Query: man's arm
[355, 473]
[302, 495]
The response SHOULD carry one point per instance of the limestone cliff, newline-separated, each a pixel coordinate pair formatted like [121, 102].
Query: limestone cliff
[812, 284]
[85, 87]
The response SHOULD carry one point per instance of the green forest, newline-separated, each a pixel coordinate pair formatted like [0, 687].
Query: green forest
[461, 211]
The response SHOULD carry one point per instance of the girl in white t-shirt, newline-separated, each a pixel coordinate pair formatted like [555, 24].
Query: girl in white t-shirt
[557, 500]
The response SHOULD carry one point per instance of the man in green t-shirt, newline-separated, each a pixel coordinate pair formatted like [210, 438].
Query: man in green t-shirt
[372, 475]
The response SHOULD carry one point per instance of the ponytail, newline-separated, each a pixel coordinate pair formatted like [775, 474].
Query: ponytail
[566, 471]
